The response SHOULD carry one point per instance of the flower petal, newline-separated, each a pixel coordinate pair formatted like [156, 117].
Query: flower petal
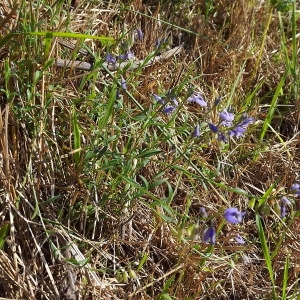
[196, 132]
[169, 109]
[233, 215]
[159, 99]
[239, 239]
[213, 127]
[209, 235]
[139, 34]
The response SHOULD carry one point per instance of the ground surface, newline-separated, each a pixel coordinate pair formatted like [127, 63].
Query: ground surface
[110, 192]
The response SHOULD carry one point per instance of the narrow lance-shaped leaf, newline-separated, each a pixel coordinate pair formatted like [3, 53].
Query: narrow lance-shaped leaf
[51, 34]
[3, 234]
[77, 141]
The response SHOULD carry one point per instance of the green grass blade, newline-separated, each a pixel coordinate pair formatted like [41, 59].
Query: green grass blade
[272, 108]
[77, 141]
[295, 55]
[6, 39]
[50, 34]
[266, 252]
[110, 107]
[3, 234]
[285, 277]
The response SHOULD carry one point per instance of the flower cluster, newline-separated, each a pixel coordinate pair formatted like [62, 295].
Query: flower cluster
[125, 54]
[284, 201]
[232, 215]
[170, 107]
[234, 129]
[228, 126]
[128, 55]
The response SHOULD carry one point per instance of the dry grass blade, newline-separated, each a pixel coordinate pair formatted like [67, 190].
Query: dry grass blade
[85, 66]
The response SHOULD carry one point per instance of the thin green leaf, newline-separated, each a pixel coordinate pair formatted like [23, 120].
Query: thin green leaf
[157, 183]
[36, 210]
[77, 263]
[3, 234]
[50, 34]
[52, 199]
[265, 196]
[266, 252]
[272, 108]
[142, 262]
[164, 296]
[77, 140]
[146, 184]
[47, 44]
[149, 153]
[110, 108]
[285, 277]
[6, 39]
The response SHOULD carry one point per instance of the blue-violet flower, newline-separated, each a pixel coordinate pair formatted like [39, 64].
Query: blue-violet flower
[203, 212]
[110, 59]
[209, 235]
[284, 201]
[227, 118]
[238, 131]
[159, 99]
[169, 109]
[123, 83]
[296, 189]
[239, 239]
[196, 132]
[233, 215]
[139, 34]
[127, 56]
[222, 137]
[197, 98]
[213, 127]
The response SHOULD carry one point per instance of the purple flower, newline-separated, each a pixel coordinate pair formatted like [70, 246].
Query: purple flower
[122, 57]
[246, 121]
[233, 215]
[169, 109]
[139, 34]
[238, 131]
[213, 127]
[196, 132]
[222, 137]
[239, 239]
[197, 98]
[127, 56]
[227, 118]
[175, 101]
[284, 201]
[110, 59]
[159, 99]
[209, 235]
[295, 188]
[123, 83]
[203, 212]
[130, 55]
